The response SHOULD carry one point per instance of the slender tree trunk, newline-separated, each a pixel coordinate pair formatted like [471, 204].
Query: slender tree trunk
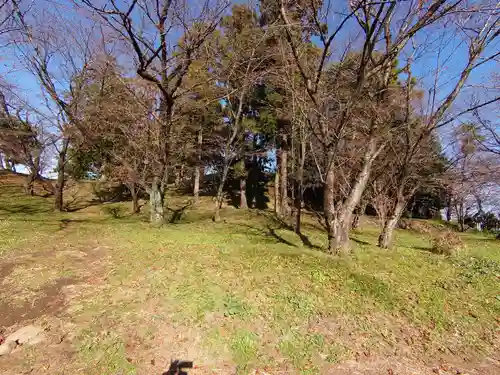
[30, 181]
[34, 172]
[61, 178]
[360, 211]
[59, 198]
[284, 182]
[345, 216]
[220, 192]
[197, 171]
[448, 210]
[341, 238]
[386, 235]
[299, 197]
[156, 203]
[277, 191]
[243, 193]
[10, 165]
[135, 198]
[293, 172]
[297, 202]
[1, 161]
[196, 183]
[360, 184]
[31, 178]
[329, 210]
[460, 217]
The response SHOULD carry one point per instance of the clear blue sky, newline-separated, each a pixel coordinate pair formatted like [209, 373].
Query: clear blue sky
[453, 58]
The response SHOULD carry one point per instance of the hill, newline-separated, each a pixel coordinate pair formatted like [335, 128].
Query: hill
[115, 296]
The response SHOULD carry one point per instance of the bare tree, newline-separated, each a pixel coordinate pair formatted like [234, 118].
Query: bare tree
[151, 30]
[480, 32]
[24, 139]
[57, 54]
[240, 61]
[395, 23]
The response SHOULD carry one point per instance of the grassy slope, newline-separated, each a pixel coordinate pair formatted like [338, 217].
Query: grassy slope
[245, 293]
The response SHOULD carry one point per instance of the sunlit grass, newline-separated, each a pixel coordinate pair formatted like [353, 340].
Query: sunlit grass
[254, 294]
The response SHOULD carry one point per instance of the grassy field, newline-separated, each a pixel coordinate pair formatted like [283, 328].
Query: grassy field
[245, 296]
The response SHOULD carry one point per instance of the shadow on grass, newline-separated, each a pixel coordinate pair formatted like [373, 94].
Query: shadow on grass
[273, 233]
[178, 213]
[27, 209]
[268, 236]
[284, 225]
[361, 242]
[77, 205]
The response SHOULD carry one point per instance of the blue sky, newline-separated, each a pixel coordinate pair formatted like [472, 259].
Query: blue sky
[453, 58]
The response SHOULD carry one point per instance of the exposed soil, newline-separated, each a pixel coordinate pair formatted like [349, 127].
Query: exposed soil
[51, 302]
[6, 269]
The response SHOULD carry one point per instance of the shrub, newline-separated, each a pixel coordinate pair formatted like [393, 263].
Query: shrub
[447, 243]
[115, 212]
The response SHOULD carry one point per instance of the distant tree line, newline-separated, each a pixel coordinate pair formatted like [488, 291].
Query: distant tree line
[233, 95]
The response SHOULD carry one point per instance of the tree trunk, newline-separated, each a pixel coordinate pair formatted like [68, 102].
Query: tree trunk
[459, 208]
[284, 209]
[59, 204]
[10, 165]
[341, 238]
[243, 193]
[135, 198]
[196, 183]
[156, 203]
[61, 179]
[34, 172]
[220, 192]
[277, 192]
[299, 197]
[30, 181]
[449, 207]
[197, 171]
[298, 208]
[344, 221]
[329, 210]
[1, 161]
[360, 211]
[385, 237]
[359, 185]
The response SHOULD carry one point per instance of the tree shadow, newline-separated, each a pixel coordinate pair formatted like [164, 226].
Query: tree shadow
[269, 234]
[80, 204]
[307, 242]
[178, 213]
[361, 242]
[427, 249]
[177, 367]
[21, 208]
[284, 225]
[280, 239]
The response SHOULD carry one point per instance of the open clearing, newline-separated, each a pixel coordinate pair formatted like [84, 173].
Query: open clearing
[116, 296]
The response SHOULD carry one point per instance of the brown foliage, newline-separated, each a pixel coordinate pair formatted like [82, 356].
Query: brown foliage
[447, 243]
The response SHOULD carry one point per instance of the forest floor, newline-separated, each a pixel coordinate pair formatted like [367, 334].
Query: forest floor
[244, 296]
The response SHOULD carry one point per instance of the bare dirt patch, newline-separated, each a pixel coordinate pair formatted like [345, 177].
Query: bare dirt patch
[42, 287]
[6, 269]
[50, 302]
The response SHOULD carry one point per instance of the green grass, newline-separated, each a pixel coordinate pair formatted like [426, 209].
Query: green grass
[237, 295]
